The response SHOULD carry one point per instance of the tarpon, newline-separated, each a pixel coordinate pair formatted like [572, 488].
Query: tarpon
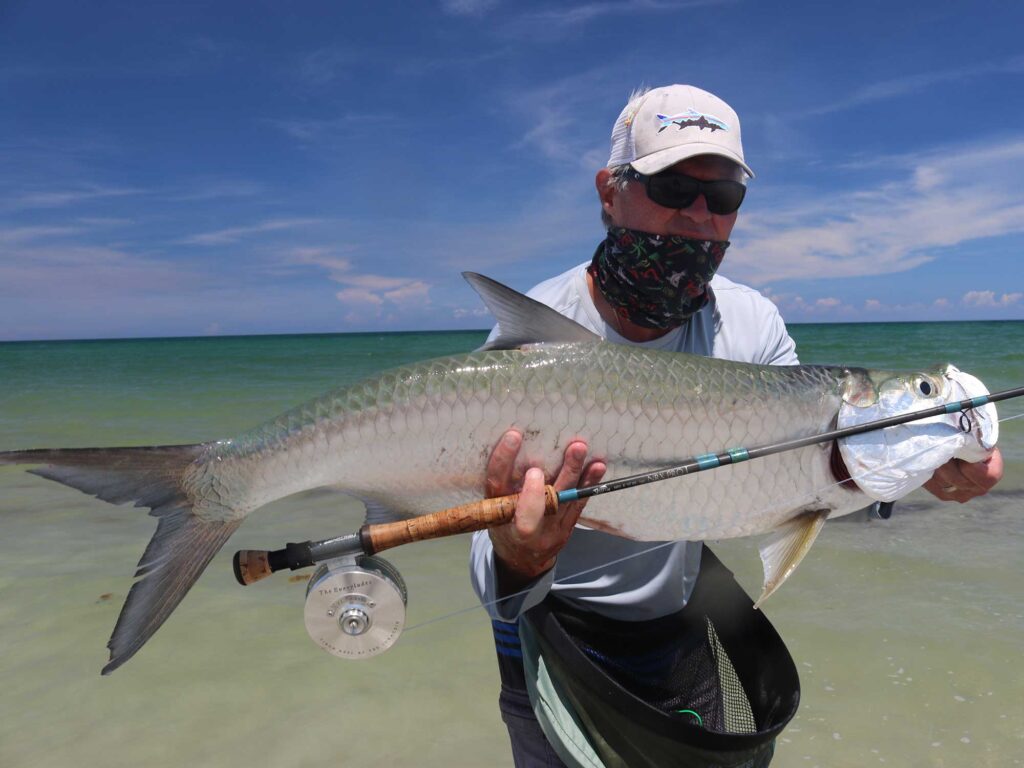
[417, 439]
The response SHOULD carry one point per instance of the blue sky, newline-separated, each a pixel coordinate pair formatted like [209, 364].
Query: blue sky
[257, 167]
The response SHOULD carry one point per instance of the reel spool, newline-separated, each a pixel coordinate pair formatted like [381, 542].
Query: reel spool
[355, 606]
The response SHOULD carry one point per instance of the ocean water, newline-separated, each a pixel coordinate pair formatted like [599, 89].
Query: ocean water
[907, 633]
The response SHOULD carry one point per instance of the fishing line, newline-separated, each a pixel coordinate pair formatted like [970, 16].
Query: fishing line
[700, 720]
[662, 545]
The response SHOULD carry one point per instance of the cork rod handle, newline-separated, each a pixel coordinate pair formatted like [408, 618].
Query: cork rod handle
[474, 516]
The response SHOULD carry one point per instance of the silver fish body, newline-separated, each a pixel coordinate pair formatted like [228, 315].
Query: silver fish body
[417, 439]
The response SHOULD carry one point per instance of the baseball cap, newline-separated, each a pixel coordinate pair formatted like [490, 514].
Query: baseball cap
[669, 124]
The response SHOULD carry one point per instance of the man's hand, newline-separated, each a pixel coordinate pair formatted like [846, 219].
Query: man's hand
[526, 547]
[961, 481]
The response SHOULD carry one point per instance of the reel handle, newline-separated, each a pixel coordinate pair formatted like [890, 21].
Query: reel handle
[251, 565]
[474, 516]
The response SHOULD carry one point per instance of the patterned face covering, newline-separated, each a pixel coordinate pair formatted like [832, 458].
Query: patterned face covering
[655, 281]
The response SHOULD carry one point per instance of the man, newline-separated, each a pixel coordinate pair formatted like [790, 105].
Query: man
[671, 192]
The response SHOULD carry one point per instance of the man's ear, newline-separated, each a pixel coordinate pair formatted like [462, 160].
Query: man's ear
[606, 191]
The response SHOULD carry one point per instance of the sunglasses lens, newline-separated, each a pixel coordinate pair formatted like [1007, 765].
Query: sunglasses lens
[673, 190]
[724, 197]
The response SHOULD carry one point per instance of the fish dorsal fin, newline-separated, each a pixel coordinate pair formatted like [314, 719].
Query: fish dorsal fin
[522, 320]
[786, 546]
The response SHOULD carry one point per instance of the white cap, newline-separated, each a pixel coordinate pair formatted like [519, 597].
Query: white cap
[666, 125]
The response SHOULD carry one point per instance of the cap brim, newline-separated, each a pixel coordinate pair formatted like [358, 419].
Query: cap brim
[666, 158]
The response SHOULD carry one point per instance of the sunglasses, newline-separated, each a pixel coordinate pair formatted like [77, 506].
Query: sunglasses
[674, 190]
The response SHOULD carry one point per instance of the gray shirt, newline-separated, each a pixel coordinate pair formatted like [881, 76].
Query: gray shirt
[616, 577]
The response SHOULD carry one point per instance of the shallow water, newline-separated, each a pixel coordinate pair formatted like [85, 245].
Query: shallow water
[907, 633]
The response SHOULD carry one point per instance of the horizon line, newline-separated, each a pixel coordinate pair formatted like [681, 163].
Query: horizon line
[444, 331]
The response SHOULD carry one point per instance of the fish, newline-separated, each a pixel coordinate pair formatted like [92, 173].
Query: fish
[692, 117]
[417, 439]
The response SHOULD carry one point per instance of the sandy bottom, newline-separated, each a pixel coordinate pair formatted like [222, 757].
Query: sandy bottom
[907, 634]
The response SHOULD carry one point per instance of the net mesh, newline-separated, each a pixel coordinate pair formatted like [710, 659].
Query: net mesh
[738, 716]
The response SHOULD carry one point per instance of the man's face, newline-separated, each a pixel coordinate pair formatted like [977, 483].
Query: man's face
[632, 209]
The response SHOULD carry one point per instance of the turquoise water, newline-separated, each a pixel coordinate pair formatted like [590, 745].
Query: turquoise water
[907, 632]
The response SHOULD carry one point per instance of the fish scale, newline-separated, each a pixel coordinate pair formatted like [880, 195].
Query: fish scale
[637, 409]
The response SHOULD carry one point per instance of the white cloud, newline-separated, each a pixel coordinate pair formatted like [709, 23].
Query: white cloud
[796, 308]
[990, 299]
[62, 273]
[414, 290]
[215, 190]
[103, 221]
[560, 116]
[350, 296]
[560, 222]
[234, 234]
[366, 292]
[57, 235]
[901, 86]
[574, 15]
[81, 291]
[926, 177]
[476, 312]
[18, 235]
[57, 198]
[467, 7]
[326, 258]
[323, 66]
[942, 160]
[320, 129]
[552, 135]
[823, 308]
[563, 217]
[950, 196]
[374, 282]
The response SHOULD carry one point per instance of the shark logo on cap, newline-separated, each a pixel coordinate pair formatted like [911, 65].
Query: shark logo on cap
[692, 117]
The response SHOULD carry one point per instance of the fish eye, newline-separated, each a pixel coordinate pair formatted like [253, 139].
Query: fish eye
[924, 387]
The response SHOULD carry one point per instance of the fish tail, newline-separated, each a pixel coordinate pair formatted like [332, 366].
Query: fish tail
[181, 548]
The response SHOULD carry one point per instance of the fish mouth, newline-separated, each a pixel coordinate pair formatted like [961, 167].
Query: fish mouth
[983, 420]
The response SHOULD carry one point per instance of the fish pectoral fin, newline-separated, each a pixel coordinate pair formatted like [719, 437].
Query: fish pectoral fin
[786, 546]
[522, 320]
[382, 511]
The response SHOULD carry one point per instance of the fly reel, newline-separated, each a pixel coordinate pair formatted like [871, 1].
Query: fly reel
[355, 606]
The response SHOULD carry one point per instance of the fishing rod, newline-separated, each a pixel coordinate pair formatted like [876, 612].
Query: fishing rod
[253, 565]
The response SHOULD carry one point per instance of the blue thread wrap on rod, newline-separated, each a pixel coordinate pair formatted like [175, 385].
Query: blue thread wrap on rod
[738, 454]
[707, 461]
